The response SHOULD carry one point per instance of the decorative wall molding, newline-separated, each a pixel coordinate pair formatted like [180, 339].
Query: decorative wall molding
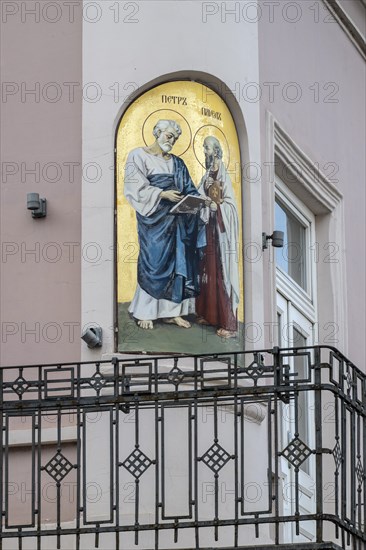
[321, 196]
[348, 25]
[305, 171]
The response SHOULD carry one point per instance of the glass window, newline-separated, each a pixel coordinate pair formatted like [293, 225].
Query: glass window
[291, 258]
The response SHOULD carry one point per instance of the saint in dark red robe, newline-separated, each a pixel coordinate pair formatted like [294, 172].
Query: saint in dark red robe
[213, 304]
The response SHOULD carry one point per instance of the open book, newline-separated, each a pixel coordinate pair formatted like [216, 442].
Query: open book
[190, 204]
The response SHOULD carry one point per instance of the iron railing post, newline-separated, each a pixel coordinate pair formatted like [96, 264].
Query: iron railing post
[318, 445]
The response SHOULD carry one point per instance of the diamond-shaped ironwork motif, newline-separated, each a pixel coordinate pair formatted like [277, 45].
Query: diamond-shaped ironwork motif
[348, 378]
[97, 381]
[337, 455]
[360, 473]
[20, 385]
[296, 452]
[58, 467]
[215, 457]
[255, 370]
[175, 376]
[137, 463]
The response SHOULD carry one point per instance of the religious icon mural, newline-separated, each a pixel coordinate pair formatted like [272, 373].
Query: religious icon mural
[179, 223]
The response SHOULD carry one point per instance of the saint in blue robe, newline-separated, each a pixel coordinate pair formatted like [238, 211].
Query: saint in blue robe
[169, 243]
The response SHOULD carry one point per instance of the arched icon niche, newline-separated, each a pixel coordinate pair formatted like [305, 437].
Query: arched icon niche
[179, 272]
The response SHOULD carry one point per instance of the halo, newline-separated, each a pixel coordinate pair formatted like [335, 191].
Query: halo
[199, 137]
[182, 144]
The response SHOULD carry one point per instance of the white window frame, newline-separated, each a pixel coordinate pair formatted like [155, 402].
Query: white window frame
[303, 299]
[299, 313]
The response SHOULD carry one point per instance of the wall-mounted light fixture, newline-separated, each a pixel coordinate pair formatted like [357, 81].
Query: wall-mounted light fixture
[277, 239]
[37, 205]
[93, 337]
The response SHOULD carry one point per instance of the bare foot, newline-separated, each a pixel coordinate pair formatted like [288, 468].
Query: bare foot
[223, 333]
[202, 321]
[145, 324]
[179, 321]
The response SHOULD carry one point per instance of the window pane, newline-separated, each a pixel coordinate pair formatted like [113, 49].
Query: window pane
[291, 258]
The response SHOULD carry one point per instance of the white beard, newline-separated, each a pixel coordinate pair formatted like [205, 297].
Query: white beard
[166, 147]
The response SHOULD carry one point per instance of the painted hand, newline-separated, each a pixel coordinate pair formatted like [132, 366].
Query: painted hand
[172, 196]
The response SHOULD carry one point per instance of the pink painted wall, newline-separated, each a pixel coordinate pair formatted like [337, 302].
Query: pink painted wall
[20, 486]
[321, 59]
[40, 292]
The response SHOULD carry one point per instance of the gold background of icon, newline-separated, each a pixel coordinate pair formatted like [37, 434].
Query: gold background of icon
[200, 113]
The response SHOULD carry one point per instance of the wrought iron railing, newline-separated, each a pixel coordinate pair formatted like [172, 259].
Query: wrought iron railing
[230, 450]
